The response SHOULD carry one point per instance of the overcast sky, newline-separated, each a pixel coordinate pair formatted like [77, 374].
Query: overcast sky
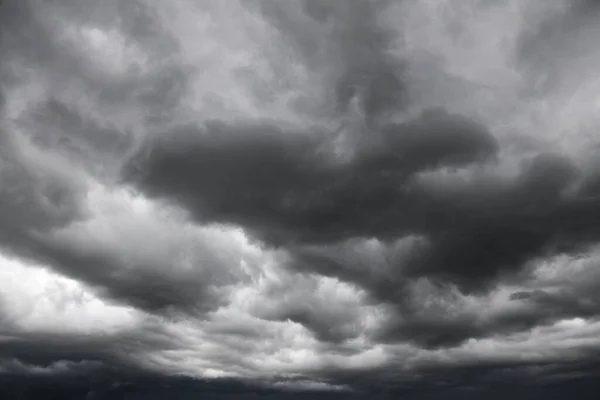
[299, 199]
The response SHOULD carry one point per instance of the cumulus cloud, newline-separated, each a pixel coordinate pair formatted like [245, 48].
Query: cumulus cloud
[260, 198]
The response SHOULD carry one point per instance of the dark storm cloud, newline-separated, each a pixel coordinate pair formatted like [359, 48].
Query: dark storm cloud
[116, 384]
[435, 330]
[2, 101]
[47, 365]
[500, 380]
[488, 227]
[153, 288]
[497, 230]
[43, 347]
[579, 299]
[72, 366]
[44, 350]
[590, 182]
[560, 305]
[522, 380]
[282, 186]
[440, 325]
[286, 186]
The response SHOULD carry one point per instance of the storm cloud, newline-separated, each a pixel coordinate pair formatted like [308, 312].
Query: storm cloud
[356, 199]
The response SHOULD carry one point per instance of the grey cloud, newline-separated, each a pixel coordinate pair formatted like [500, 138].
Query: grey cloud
[552, 51]
[365, 47]
[282, 185]
[283, 190]
[441, 325]
[44, 350]
[557, 305]
[35, 194]
[463, 383]
[61, 356]
[351, 37]
[109, 384]
[325, 324]
[437, 139]
[576, 298]
[525, 220]
[156, 288]
[494, 381]
[450, 327]
[40, 200]
[501, 227]
[331, 320]
[50, 147]
[418, 187]
[74, 135]
[45, 39]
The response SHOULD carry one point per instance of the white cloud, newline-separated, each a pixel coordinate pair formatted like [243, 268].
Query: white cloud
[34, 299]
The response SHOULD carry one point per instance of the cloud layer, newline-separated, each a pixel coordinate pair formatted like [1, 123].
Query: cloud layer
[257, 198]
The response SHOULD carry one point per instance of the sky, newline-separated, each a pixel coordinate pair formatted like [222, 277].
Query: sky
[328, 199]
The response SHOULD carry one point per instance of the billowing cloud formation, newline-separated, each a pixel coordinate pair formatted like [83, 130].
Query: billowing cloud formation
[259, 198]
[289, 185]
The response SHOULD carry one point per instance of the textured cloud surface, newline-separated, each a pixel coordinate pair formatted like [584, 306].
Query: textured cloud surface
[356, 199]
